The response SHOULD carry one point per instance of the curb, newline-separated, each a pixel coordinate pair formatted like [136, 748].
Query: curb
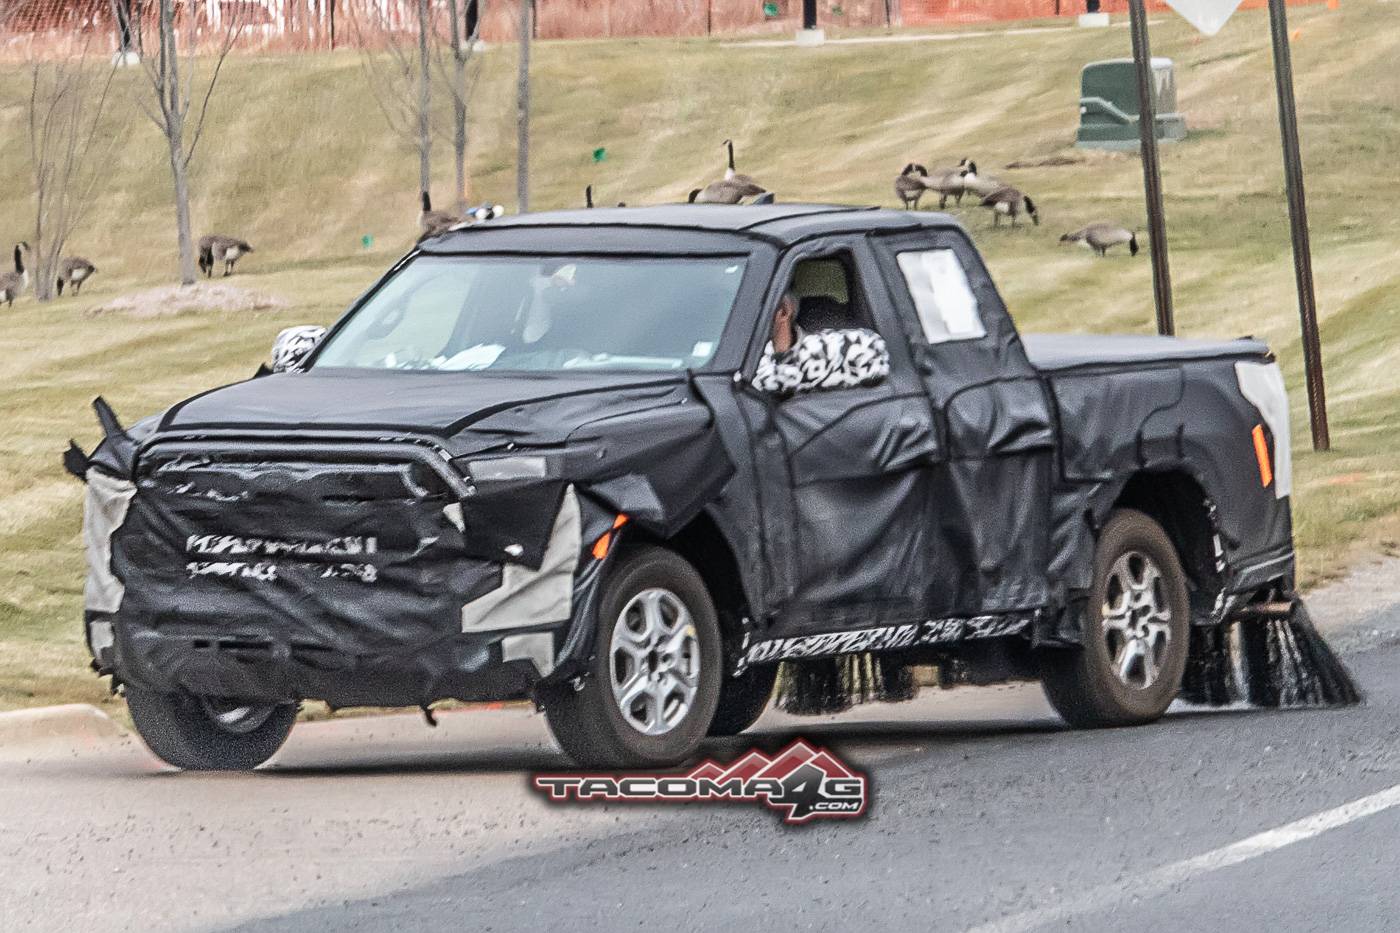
[73, 726]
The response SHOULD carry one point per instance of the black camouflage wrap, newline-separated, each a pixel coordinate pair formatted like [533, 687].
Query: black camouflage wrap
[956, 500]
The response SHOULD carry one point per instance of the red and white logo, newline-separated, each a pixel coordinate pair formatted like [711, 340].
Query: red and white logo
[801, 782]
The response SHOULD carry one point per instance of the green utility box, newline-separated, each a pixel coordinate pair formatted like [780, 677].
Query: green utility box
[1108, 104]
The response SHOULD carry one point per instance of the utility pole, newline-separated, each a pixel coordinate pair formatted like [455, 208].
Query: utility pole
[1151, 169]
[1209, 16]
[1298, 220]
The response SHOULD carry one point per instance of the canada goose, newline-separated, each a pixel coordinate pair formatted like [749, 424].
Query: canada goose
[470, 216]
[217, 248]
[730, 174]
[433, 222]
[726, 191]
[1012, 203]
[910, 185]
[979, 185]
[588, 198]
[75, 270]
[1100, 236]
[13, 284]
[951, 182]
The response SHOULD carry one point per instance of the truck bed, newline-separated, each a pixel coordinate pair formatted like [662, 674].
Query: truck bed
[1054, 352]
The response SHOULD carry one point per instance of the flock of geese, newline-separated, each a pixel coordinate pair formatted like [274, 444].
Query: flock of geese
[1003, 200]
[912, 184]
[73, 271]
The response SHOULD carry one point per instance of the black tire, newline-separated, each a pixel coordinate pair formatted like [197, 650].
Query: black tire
[179, 729]
[743, 699]
[589, 723]
[1083, 683]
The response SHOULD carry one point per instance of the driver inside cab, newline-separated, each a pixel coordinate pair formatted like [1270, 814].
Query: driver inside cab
[815, 343]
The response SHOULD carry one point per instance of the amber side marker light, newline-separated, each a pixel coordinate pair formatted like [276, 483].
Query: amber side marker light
[1261, 453]
[600, 547]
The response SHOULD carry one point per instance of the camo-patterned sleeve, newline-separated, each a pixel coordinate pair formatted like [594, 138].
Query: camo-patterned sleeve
[828, 359]
[293, 344]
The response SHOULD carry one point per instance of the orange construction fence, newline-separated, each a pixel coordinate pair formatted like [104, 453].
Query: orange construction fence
[29, 25]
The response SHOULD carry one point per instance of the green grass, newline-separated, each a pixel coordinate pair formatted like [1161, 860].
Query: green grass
[296, 161]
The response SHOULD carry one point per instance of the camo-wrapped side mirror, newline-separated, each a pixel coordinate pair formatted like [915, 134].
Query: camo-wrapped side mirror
[293, 345]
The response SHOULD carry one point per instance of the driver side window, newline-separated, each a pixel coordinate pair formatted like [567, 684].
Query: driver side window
[822, 335]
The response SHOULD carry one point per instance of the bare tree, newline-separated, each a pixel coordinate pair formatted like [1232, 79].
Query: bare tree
[67, 144]
[522, 108]
[174, 93]
[425, 96]
[401, 78]
[460, 83]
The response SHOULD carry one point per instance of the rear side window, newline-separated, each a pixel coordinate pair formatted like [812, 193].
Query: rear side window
[942, 296]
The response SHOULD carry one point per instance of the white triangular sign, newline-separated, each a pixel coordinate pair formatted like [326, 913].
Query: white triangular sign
[1206, 15]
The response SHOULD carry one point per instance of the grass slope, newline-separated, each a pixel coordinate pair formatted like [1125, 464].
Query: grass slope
[296, 161]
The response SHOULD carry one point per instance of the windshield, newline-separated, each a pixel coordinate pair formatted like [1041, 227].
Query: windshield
[453, 313]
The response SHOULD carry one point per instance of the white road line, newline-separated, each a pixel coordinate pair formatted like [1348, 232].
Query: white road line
[1169, 876]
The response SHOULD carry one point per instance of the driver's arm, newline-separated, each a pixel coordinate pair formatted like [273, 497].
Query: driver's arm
[829, 359]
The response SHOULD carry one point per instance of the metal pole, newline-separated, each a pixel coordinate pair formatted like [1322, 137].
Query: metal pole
[1298, 218]
[1151, 170]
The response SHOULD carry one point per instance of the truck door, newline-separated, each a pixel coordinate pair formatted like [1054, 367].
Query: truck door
[990, 494]
[843, 474]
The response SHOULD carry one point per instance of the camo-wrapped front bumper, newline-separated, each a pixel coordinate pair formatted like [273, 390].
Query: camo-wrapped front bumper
[341, 575]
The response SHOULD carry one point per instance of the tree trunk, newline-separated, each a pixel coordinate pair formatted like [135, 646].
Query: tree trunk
[40, 262]
[172, 106]
[459, 101]
[425, 98]
[44, 272]
[180, 173]
[522, 110]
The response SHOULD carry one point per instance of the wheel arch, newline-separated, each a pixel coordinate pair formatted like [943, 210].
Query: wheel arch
[1178, 502]
[705, 546]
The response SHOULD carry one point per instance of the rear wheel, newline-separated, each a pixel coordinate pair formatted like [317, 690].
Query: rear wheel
[655, 677]
[1136, 632]
[206, 733]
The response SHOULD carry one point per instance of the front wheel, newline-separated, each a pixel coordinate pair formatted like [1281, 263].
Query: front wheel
[207, 734]
[655, 676]
[1136, 634]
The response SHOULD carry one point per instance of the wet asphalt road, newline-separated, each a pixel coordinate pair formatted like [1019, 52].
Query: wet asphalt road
[986, 814]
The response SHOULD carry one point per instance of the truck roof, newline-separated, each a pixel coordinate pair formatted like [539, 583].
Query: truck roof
[776, 223]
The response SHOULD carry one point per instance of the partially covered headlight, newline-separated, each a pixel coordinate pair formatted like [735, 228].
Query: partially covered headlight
[505, 469]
